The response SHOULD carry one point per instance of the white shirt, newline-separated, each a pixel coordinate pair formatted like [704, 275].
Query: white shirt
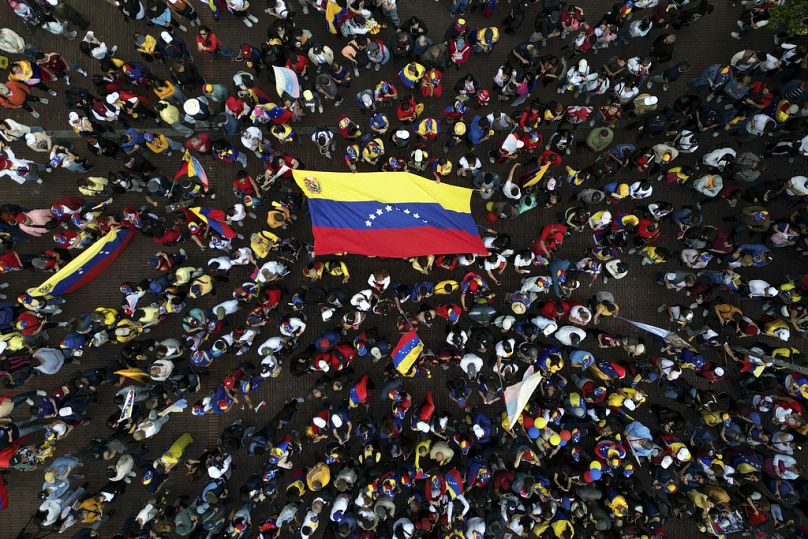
[223, 262]
[564, 333]
[758, 288]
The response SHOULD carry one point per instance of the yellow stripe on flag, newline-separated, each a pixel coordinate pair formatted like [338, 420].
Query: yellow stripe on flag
[538, 176]
[390, 187]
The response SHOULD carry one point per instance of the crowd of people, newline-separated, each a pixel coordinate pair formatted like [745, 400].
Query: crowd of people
[627, 434]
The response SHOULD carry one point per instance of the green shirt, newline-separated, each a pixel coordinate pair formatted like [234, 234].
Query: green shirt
[599, 139]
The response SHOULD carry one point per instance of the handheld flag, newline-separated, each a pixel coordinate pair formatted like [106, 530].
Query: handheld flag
[192, 167]
[533, 177]
[668, 337]
[88, 265]
[133, 373]
[517, 395]
[286, 82]
[215, 219]
[407, 351]
[389, 214]
[128, 406]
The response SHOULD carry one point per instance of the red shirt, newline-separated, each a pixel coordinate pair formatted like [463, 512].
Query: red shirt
[9, 261]
[32, 323]
[210, 44]
[548, 310]
[244, 185]
[203, 146]
[171, 235]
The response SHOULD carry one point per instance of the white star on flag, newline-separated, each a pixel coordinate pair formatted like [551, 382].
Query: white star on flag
[388, 208]
[416, 215]
[406, 211]
[379, 211]
[368, 223]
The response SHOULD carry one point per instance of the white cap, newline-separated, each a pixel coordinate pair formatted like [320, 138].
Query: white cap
[191, 106]
[478, 431]
[168, 38]
[650, 100]
[336, 419]
[719, 371]
[319, 422]
[782, 333]
[418, 155]
[582, 65]
[683, 454]
[771, 291]
[628, 403]
[113, 97]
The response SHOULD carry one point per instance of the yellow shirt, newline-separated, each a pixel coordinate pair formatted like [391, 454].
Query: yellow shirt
[159, 144]
[167, 90]
[170, 114]
[320, 473]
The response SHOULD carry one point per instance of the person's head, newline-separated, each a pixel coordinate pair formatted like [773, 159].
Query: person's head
[204, 32]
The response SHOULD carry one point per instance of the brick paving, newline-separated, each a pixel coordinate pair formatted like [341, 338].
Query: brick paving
[703, 43]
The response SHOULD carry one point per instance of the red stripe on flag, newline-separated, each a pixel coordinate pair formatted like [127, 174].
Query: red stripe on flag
[396, 243]
[95, 271]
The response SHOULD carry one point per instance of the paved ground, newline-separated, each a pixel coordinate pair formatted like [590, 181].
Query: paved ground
[706, 42]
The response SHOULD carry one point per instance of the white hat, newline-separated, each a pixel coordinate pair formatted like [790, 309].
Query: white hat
[520, 144]
[73, 116]
[683, 454]
[418, 155]
[628, 403]
[327, 314]
[191, 106]
[582, 65]
[422, 426]
[336, 419]
[113, 97]
[478, 431]
[771, 291]
[650, 100]
[367, 100]
[30, 138]
[507, 322]
[666, 462]
[319, 422]
[782, 333]
[403, 134]
[719, 371]
[168, 38]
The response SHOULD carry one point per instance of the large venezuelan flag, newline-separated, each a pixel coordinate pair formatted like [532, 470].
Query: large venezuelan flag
[88, 265]
[388, 214]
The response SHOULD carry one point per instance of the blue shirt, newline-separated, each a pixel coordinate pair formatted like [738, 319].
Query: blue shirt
[476, 132]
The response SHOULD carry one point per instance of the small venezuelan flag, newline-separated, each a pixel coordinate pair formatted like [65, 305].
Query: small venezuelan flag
[192, 167]
[406, 352]
[388, 214]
